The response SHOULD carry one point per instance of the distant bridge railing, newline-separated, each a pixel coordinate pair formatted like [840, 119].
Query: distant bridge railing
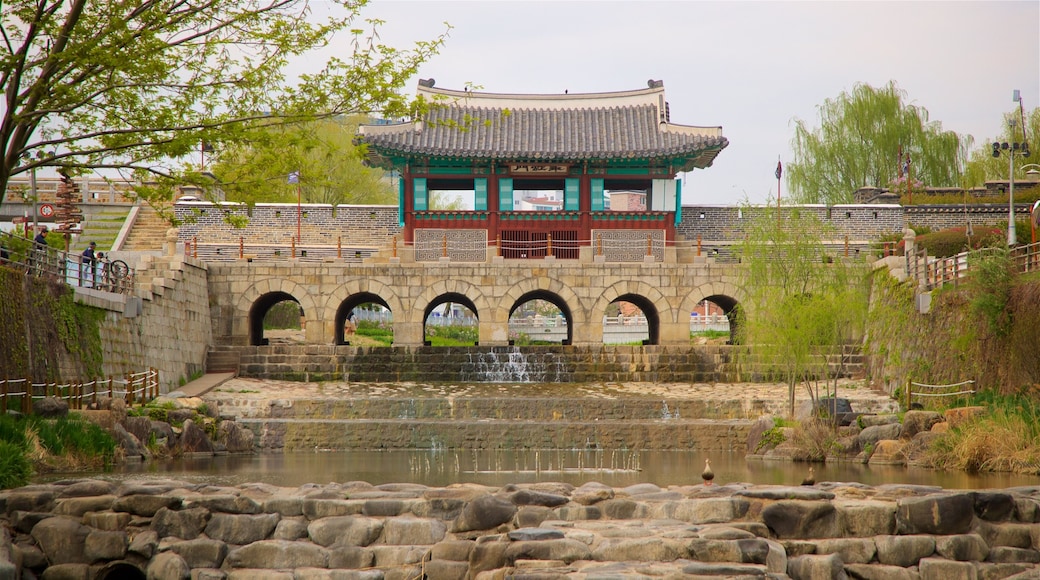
[932, 273]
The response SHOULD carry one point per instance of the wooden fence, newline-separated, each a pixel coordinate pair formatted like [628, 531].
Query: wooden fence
[935, 272]
[961, 389]
[139, 387]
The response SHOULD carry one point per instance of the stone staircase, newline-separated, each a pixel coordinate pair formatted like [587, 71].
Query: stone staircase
[149, 231]
[101, 225]
[223, 360]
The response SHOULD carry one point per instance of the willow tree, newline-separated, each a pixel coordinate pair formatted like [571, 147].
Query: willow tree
[138, 85]
[984, 167]
[804, 301]
[328, 167]
[858, 143]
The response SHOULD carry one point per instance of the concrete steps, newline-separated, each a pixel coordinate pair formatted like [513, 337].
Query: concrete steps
[101, 225]
[149, 231]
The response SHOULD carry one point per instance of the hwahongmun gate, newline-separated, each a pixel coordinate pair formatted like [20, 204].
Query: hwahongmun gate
[572, 199]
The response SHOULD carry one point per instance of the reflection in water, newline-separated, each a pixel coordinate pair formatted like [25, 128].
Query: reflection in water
[614, 468]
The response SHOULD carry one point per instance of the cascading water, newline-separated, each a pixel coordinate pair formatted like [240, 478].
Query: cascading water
[511, 365]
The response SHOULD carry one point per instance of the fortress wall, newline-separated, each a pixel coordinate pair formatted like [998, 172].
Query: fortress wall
[166, 325]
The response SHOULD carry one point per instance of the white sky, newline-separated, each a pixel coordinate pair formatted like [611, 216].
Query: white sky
[751, 67]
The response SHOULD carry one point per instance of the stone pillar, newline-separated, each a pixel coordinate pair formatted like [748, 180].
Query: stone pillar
[170, 246]
[493, 332]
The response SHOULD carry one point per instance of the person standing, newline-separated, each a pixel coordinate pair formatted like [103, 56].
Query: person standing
[87, 266]
[39, 250]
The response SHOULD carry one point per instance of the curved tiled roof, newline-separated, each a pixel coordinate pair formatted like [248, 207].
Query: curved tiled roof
[554, 128]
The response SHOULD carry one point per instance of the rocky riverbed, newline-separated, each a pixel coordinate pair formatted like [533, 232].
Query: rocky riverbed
[162, 529]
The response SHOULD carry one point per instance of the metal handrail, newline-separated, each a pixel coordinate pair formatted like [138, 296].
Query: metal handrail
[71, 268]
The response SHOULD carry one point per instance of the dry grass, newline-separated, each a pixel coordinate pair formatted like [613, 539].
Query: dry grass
[1002, 441]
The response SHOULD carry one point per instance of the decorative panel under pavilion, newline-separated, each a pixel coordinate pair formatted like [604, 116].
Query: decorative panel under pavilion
[539, 173]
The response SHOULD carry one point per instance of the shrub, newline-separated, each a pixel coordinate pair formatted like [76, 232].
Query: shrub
[15, 468]
[950, 242]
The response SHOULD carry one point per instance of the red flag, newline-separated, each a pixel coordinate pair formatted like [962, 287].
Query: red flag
[779, 169]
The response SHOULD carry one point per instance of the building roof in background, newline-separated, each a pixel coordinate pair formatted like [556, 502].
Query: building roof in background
[616, 126]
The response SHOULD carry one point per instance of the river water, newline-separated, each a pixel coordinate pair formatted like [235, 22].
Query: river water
[441, 468]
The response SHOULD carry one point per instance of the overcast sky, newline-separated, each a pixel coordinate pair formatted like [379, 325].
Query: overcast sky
[751, 67]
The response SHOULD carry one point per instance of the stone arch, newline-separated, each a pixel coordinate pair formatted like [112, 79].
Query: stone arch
[353, 293]
[466, 293]
[454, 297]
[553, 298]
[726, 295]
[254, 303]
[648, 298]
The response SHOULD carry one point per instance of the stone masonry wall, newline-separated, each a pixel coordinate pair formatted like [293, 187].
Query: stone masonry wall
[370, 226]
[320, 224]
[166, 530]
[166, 325]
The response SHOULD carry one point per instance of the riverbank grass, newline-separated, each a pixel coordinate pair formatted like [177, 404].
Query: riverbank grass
[30, 445]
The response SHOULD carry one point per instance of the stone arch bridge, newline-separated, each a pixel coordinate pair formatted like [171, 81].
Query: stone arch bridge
[241, 293]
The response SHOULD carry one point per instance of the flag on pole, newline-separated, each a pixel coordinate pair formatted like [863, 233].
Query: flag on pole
[294, 177]
[779, 169]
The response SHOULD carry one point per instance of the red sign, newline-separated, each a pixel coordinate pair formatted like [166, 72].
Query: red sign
[47, 210]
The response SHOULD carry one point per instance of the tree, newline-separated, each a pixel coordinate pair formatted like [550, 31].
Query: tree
[802, 301]
[859, 141]
[984, 167]
[329, 166]
[137, 85]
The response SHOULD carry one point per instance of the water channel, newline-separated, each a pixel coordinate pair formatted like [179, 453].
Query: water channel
[444, 467]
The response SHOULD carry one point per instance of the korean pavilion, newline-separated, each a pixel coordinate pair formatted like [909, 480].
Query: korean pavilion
[525, 176]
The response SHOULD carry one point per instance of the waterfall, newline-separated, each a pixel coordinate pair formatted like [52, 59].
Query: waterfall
[511, 365]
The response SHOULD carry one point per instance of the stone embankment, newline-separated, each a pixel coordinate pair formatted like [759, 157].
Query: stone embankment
[171, 530]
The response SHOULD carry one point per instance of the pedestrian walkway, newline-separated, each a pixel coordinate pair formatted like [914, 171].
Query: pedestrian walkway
[202, 385]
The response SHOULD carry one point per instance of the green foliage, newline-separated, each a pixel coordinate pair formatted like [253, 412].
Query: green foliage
[800, 301]
[15, 467]
[858, 141]
[950, 242]
[40, 322]
[710, 334]
[376, 331]
[285, 314]
[330, 166]
[984, 167]
[452, 335]
[122, 86]
[991, 275]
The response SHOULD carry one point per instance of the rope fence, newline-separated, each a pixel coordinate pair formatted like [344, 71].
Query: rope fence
[935, 391]
[138, 387]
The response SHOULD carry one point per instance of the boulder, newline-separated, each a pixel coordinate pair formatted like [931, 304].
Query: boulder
[903, 551]
[130, 444]
[591, 493]
[228, 503]
[940, 514]
[875, 420]
[869, 436]
[938, 568]
[960, 416]
[146, 505]
[889, 452]
[241, 528]
[103, 546]
[194, 440]
[50, 408]
[564, 550]
[867, 518]
[184, 524]
[802, 519]
[759, 428]
[235, 438]
[994, 506]
[915, 422]
[630, 550]
[351, 557]
[962, 547]
[484, 513]
[201, 552]
[66, 572]
[62, 540]
[406, 530]
[711, 510]
[851, 550]
[290, 529]
[525, 497]
[829, 567]
[345, 531]
[278, 554]
[168, 566]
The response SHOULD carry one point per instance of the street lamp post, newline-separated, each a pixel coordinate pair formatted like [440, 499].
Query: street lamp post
[1012, 148]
